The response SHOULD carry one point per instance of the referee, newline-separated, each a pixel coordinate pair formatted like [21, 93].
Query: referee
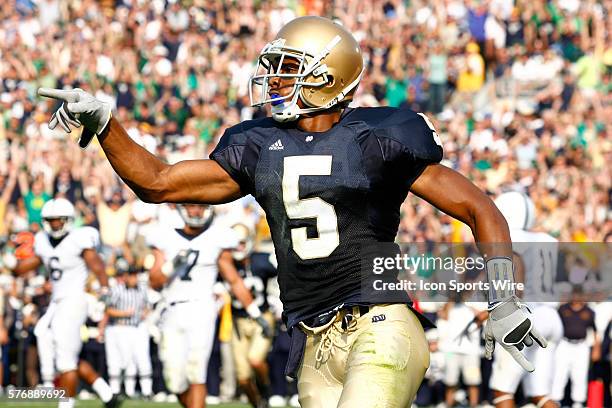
[128, 339]
[574, 351]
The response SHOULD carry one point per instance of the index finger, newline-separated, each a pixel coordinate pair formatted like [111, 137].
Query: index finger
[62, 94]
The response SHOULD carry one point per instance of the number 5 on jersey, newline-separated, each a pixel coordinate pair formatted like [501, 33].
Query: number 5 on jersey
[315, 207]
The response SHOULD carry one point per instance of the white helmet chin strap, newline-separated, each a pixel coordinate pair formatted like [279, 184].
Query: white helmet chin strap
[287, 112]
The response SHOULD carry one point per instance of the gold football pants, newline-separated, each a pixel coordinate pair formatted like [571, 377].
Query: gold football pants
[375, 360]
[249, 345]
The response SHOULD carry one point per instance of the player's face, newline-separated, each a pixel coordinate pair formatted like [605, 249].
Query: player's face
[131, 279]
[284, 86]
[55, 223]
[195, 210]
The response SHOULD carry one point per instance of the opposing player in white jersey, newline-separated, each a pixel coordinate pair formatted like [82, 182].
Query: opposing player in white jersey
[536, 263]
[68, 254]
[187, 262]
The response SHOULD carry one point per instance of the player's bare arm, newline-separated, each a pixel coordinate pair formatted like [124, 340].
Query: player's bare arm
[96, 265]
[189, 181]
[230, 275]
[454, 194]
[22, 266]
[193, 181]
[117, 313]
[228, 272]
[157, 279]
[508, 324]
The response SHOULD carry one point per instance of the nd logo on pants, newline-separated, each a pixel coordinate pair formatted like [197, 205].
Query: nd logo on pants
[365, 363]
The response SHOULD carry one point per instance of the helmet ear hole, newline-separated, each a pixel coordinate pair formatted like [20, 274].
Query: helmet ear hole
[331, 81]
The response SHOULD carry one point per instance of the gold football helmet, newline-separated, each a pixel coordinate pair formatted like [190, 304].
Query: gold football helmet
[330, 67]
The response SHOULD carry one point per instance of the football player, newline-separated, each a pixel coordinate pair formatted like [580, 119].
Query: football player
[536, 258]
[186, 263]
[331, 180]
[68, 254]
[250, 344]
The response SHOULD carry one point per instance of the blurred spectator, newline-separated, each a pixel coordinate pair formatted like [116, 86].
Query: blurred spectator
[34, 199]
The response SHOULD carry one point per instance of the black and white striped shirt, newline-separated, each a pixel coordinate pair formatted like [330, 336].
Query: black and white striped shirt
[124, 298]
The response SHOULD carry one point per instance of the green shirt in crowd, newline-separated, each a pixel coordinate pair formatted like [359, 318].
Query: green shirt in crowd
[34, 205]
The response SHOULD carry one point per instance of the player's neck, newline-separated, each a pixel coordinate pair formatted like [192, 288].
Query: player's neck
[192, 230]
[576, 305]
[320, 121]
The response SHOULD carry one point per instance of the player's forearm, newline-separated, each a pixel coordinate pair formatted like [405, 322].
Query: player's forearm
[25, 265]
[100, 273]
[492, 235]
[241, 293]
[96, 265]
[157, 279]
[138, 168]
[460, 198]
[490, 229]
[118, 313]
[229, 273]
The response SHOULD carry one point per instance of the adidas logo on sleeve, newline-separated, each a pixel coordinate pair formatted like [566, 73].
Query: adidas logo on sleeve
[276, 145]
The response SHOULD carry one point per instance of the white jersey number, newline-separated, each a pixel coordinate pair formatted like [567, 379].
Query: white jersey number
[185, 263]
[55, 273]
[317, 208]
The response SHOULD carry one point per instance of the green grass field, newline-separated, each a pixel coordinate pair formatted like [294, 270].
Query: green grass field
[6, 403]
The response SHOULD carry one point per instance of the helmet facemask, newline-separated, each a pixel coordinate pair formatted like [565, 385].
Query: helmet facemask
[61, 232]
[203, 221]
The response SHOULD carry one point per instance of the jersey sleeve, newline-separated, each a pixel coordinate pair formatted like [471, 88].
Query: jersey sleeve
[235, 155]
[88, 238]
[414, 137]
[409, 143]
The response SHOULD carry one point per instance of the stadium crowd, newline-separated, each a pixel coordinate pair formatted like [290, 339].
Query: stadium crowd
[519, 93]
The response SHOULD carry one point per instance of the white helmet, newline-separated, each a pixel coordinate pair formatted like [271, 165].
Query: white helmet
[54, 209]
[196, 222]
[245, 238]
[518, 209]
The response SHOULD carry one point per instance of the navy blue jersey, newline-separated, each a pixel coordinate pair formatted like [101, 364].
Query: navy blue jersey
[255, 276]
[328, 194]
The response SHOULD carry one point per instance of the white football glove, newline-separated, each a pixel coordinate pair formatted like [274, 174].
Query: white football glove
[78, 108]
[510, 325]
